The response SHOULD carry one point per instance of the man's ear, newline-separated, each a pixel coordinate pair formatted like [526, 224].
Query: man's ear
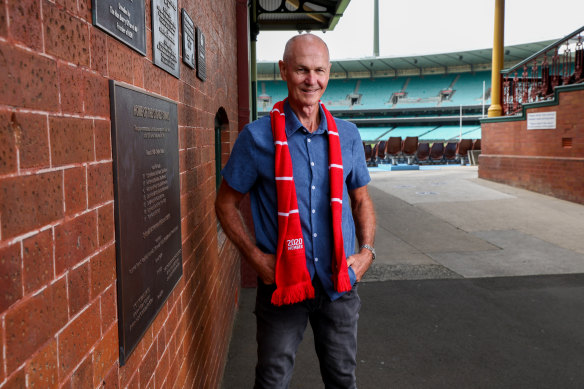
[282, 66]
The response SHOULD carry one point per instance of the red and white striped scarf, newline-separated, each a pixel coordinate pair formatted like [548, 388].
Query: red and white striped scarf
[293, 282]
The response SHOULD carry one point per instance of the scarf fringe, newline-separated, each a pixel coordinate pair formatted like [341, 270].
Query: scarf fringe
[293, 294]
[342, 282]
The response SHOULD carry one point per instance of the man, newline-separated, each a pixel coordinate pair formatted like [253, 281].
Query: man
[301, 166]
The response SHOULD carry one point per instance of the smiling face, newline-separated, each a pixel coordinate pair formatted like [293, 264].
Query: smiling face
[306, 69]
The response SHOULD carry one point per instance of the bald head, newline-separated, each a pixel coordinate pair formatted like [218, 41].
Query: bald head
[303, 39]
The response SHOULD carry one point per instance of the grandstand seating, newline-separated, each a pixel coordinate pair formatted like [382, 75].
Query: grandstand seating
[409, 148]
[462, 150]
[372, 134]
[420, 91]
[437, 152]
[468, 89]
[450, 151]
[423, 152]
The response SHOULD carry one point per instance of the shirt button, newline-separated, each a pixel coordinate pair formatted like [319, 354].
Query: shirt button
[314, 210]
[315, 259]
[308, 140]
[315, 234]
[311, 163]
[313, 187]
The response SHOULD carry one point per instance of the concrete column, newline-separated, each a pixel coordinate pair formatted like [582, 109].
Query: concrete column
[497, 62]
[376, 28]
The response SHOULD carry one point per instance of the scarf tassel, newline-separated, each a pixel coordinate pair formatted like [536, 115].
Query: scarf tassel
[342, 282]
[293, 294]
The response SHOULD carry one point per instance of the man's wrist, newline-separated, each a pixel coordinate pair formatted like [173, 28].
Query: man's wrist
[370, 248]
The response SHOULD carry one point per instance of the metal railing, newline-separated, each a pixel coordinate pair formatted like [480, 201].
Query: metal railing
[534, 79]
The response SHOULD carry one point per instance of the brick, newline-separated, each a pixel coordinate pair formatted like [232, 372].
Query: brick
[29, 202]
[119, 61]
[66, 36]
[16, 381]
[96, 92]
[105, 226]
[85, 10]
[103, 144]
[70, 77]
[71, 140]
[139, 64]
[69, 5]
[74, 241]
[78, 286]
[111, 381]
[82, 377]
[37, 261]
[103, 270]
[100, 182]
[105, 355]
[25, 22]
[3, 19]
[34, 321]
[98, 51]
[27, 79]
[32, 132]
[75, 190]
[10, 276]
[77, 338]
[109, 308]
[8, 159]
[42, 370]
[148, 364]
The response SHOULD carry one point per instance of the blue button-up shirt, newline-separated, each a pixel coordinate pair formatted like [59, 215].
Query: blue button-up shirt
[251, 169]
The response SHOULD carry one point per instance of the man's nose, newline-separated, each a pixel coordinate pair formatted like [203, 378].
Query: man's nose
[310, 77]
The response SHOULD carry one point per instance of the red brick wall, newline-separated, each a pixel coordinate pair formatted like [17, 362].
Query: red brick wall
[545, 161]
[58, 313]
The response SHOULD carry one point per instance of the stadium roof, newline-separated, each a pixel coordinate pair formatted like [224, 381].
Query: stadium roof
[471, 58]
[298, 14]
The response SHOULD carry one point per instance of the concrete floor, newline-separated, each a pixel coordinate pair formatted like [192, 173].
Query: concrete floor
[476, 285]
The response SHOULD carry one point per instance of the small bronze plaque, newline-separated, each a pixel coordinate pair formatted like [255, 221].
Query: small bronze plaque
[188, 39]
[165, 35]
[147, 208]
[201, 63]
[125, 20]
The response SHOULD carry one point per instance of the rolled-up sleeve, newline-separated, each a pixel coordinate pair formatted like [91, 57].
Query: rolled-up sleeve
[240, 172]
[359, 175]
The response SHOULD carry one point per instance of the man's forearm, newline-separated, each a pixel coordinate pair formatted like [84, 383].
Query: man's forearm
[364, 217]
[227, 209]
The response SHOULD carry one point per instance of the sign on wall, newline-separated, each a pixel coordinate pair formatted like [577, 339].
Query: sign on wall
[165, 39]
[201, 62]
[122, 19]
[147, 208]
[188, 39]
[541, 121]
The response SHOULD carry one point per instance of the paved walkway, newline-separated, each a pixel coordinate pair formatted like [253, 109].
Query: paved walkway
[476, 285]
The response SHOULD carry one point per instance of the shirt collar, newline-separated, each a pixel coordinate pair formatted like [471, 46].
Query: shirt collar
[293, 123]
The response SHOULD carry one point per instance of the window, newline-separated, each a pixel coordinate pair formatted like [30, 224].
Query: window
[221, 127]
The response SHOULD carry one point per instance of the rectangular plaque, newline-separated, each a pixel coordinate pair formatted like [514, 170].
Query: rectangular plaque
[201, 63]
[125, 20]
[541, 121]
[165, 35]
[188, 39]
[147, 208]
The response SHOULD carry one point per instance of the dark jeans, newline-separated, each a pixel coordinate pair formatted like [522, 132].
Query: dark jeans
[280, 331]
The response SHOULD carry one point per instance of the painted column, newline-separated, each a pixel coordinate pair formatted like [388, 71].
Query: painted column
[497, 64]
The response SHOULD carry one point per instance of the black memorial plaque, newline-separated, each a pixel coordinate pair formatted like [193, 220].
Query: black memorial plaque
[147, 207]
[201, 64]
[165, 39]
[188, 39]
[125, 20]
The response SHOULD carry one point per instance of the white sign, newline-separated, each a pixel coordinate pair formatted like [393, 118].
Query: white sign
[541, 121]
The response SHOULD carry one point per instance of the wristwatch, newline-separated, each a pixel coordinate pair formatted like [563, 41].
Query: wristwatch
[370, 248]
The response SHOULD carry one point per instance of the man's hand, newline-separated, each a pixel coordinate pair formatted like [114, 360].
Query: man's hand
[265, 265]
[360, 262]
[364, 215]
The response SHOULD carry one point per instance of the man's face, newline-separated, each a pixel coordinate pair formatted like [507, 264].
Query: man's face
[306, 71]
